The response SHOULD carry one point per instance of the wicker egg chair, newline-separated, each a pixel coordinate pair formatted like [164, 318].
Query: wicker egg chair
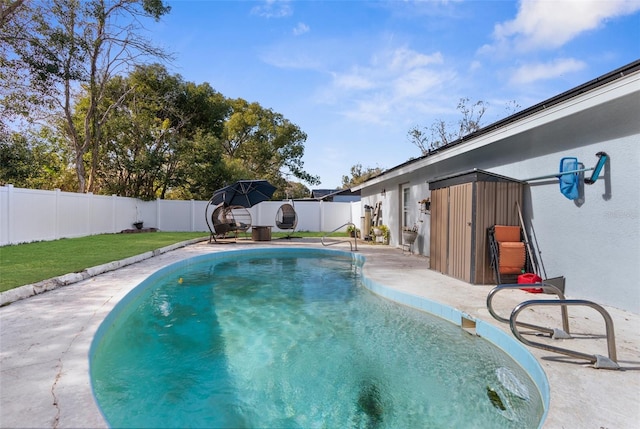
[229, 220]
[287, 218]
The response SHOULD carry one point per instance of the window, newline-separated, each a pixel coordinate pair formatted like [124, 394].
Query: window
[406, 204]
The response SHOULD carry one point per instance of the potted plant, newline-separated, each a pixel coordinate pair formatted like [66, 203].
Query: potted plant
[138, 223]
[425, 205]
[381, 231]
[353, 231]
[409, 234]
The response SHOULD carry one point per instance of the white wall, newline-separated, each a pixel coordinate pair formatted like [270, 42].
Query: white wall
[391, 200]
[593, 241]
[33, 215]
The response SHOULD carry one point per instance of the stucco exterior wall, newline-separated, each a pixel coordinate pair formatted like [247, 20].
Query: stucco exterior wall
[391, 200]
[593, 241]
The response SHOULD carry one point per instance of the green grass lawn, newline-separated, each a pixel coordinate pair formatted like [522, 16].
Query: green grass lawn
[28, 263]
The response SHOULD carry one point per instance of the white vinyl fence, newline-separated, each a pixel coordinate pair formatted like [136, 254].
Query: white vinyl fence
[33, 215]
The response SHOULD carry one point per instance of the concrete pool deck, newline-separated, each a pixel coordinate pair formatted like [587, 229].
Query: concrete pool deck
[45, 340]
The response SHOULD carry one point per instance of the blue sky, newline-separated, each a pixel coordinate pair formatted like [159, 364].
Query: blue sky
[356, 76]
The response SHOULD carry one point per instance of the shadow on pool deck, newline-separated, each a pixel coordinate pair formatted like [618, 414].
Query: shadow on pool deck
[45, 340]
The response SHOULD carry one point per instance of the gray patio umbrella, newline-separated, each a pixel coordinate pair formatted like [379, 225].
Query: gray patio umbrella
[245, 193]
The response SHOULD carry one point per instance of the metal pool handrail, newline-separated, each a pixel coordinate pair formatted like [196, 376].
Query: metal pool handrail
[599, 361]
[547, 288]
[355, 237]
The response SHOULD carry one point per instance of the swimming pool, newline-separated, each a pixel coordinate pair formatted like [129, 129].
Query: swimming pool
[291, 338]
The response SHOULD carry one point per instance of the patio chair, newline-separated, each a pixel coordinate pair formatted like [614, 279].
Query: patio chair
[287, 218]
[225, 220]
[508, 253]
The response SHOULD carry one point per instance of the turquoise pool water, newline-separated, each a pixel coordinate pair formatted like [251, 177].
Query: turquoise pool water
[291, 339]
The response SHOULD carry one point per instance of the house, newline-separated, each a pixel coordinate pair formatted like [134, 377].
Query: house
[593, 240]
[335, 195]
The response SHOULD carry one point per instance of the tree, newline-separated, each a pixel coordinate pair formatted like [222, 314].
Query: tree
[154, 131]
[360, 175]
[268, 145]
[441, 134]
[71, 43]
[156, 136]
[15, 17]
[207, 170]
[8, 9]
[34, 161]
[166, 137]
[292, 190]
[16, 160]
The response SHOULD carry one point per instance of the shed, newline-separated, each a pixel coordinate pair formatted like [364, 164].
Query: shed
[463, 207]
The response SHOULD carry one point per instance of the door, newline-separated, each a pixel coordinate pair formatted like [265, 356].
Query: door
[460, 228]
[439, 227]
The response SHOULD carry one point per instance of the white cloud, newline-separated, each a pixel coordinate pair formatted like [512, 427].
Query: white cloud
[415, 83]
[375, 110]
[535, 72]
[551, 24]
[406, 59]
[383, 86]
[301, 28]
[305, 53]
[394, 81]
[354, 80]
[273, 9]
[475, 65]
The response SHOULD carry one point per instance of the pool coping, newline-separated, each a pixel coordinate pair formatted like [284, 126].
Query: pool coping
[46, 340]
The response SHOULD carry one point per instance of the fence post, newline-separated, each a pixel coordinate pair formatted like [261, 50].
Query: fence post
[158, 214]
[90, 213]
[9, 213]
[113, 213]
[192, 210]
[56, 216]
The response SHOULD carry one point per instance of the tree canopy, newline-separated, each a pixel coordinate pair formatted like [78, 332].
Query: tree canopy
[163, 137]
[78, 73]
[441, 133]
[52, 48]
[360, 174]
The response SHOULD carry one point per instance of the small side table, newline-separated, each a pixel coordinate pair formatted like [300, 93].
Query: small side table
[261, 232]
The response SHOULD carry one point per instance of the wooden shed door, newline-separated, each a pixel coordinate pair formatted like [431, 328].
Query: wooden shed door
[438, 243]
[460, 228]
